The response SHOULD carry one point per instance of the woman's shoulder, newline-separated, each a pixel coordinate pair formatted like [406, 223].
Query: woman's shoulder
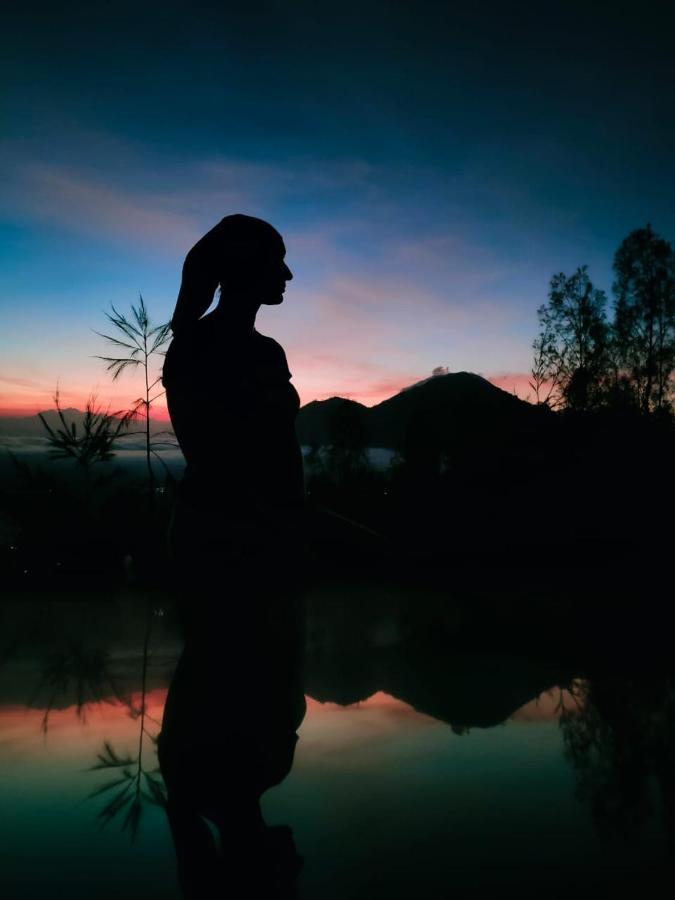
[188, 356]
[199, 352]
[264, 340]
[271, 350]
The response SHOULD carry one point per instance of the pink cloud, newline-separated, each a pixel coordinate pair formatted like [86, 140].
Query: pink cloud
[320, 376]
[468, 266]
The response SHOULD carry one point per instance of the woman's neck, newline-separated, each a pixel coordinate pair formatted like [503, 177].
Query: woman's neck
[236, 317]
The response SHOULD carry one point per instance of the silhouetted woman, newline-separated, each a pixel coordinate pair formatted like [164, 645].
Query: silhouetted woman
[236, 699]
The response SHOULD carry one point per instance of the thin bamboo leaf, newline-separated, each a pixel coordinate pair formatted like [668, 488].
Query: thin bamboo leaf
[115, 806]
[133, 817]
[115, 341]
[106, 787]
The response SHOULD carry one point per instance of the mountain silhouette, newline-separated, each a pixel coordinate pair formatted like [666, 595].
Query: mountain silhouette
[439, 406]
[31, 426]
[312, 424]
[442, 404]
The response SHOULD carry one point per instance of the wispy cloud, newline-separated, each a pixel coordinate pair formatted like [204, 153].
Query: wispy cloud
[318, 376]
[112, 189]
[450, 257]
[297, 176]
[67, 199]
[28, 383]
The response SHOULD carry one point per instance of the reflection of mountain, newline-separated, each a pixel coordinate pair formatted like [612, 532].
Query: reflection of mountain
[476, 691]
[356, 646]
[404, 648]
[468, 691]
[438, 407]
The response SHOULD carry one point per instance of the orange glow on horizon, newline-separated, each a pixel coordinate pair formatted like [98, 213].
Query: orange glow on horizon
[517, 383]
[110, 710]
[368, 394]
[114, 718]
[22, 408]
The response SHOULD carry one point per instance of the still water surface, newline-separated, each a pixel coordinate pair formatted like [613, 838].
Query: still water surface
[419, 771]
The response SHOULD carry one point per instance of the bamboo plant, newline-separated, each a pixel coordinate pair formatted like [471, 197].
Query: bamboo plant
[142, 342]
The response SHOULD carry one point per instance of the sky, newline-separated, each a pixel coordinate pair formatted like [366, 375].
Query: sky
[430, 166]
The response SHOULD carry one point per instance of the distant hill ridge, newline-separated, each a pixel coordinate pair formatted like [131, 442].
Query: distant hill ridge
[31, 426]
[439, 405]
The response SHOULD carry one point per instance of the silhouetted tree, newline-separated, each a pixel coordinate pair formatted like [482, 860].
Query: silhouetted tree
[571, 349]
[142, 341]
[93, 442]
[544, 377]
[644, 324]
[347, 440]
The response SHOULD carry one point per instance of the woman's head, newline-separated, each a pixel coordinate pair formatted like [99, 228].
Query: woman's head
[242, 254]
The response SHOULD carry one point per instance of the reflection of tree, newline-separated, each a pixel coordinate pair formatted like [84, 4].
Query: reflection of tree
[620, 741]
[134, 785]
[79, 670]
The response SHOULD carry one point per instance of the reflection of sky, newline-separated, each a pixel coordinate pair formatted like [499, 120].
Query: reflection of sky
[429, 173]
[380, 714]
[379, 794]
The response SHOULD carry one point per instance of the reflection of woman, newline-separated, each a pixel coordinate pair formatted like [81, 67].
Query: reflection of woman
[236, 698]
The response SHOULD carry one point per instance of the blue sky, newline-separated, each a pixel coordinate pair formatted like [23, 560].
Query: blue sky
[429, 165]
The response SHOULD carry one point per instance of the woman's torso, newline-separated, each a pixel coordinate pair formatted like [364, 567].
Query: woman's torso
[233, 409]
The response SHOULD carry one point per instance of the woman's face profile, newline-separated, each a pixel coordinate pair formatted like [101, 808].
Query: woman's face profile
[278, 274]
[262, 279]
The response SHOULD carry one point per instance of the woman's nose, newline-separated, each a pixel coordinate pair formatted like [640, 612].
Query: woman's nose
[288, 275]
